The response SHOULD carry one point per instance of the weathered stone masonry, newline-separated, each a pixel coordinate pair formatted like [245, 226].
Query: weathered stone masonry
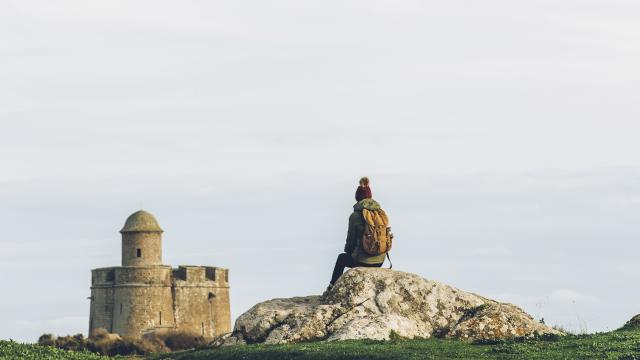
[144, 296]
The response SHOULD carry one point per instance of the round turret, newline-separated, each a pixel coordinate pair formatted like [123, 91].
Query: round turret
[141, 221]
[141, 240]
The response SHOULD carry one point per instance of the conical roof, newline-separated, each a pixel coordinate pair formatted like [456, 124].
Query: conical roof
[141, 221]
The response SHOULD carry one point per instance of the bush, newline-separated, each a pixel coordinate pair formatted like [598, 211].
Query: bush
[99, 333]
[126, 347]
[74, 343]
[153, 344]
[47, 340]
[182, 341]
[105, 343]
[394, 336]
[632, 324]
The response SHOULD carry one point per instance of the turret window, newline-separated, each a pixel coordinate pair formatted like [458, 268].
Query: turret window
[139, 252]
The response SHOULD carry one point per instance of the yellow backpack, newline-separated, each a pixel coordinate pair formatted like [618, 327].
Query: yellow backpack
[377, 237]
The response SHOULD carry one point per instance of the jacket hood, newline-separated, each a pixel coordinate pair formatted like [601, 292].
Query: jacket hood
[368, 204]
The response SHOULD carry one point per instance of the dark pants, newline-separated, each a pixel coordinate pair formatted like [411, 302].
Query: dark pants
[345, 260]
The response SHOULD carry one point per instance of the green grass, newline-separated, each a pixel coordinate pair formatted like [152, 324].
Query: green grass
[618, 345]
[13, 350]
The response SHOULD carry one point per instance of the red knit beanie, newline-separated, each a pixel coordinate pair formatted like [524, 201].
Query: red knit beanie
[363, 191]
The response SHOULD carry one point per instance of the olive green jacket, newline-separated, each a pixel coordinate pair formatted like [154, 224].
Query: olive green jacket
[356, 229]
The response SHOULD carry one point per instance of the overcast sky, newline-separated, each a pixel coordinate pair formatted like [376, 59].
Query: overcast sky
[500, 136]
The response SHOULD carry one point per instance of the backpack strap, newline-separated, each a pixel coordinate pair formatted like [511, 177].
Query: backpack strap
[390, 263]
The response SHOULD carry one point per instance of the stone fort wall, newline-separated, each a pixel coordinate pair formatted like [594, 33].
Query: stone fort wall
[132, 301]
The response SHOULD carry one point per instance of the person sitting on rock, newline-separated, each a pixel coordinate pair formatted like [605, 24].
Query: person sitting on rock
[354, 255]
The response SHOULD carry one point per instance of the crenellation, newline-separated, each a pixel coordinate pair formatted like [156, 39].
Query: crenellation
[103, 276]
[111, 275]
[179, 273]
[144, 296]
[210, 273]
[194, 274]
[218, 275]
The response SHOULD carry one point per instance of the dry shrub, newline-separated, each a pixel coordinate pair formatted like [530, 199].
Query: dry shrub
[100, 333]
[182, 340]
[153, 343]
[105, 343]
[118, 346]
[126, 347]
[74, 343]
[100, 347]
[47, 340]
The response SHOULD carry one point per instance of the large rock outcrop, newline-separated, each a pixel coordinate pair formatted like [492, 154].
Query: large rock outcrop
[374, 303]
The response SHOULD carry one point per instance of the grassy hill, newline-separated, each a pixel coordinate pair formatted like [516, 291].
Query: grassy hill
[618, 345]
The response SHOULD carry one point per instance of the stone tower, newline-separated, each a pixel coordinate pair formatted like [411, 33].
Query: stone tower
[144, 296]
[141, 234]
